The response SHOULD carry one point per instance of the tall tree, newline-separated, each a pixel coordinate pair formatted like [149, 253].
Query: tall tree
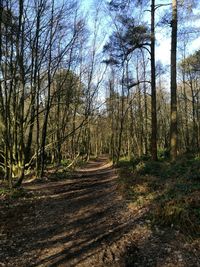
[173, 126]
[153, 87]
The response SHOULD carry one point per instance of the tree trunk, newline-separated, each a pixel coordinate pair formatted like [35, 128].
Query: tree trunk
[173, 128]
[153, 87]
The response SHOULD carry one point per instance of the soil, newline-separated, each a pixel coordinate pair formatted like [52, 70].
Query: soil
[84, 221]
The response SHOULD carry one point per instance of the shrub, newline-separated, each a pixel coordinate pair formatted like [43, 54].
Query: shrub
[124, 163]
[65, 162]
[163, 154]
[149, 168]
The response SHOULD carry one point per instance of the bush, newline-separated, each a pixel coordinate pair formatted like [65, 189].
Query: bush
[183, 167]
[124, 163]
[163, 154]
[154, 168]
[65, 162]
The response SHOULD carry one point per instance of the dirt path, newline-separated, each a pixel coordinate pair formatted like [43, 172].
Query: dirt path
[84, 222]
[67, 223]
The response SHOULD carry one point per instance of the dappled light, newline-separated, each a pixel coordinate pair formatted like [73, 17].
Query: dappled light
[71, 218]
[99, 133]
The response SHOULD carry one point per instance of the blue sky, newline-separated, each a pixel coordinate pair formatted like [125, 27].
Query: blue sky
[162, 35]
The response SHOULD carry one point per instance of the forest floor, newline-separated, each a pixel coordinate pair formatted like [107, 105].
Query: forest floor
[86, 221]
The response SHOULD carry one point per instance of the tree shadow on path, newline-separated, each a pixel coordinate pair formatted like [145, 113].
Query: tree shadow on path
[66, 222]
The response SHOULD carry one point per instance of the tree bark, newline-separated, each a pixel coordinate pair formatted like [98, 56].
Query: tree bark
[153, 87]
[173, 126]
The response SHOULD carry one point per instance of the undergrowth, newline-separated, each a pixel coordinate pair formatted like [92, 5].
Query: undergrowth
[65, 170]
[171, 190]
[14, 193]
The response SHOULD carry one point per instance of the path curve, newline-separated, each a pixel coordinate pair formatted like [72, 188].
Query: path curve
[73, 222]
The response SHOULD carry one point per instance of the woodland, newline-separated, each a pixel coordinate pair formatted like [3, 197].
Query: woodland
[84, 94]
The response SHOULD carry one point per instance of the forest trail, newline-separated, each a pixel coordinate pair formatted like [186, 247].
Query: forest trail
[84, 221]
[71, 222]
